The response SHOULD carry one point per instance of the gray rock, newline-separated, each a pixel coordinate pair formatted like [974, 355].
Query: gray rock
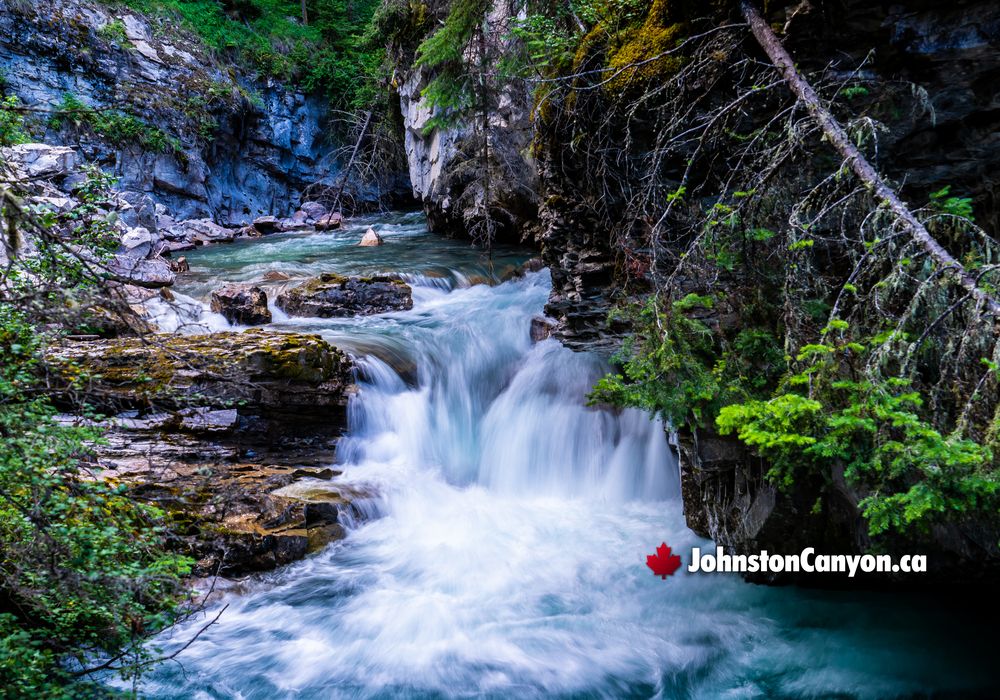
[135, 29]
[241, 304]
[137, 242]
[314, 210]
[154, 271]
[202, 231]
[40, 160]
[206, 420]
[335, 296]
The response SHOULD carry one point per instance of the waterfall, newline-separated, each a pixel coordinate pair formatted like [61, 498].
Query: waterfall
[503, 552]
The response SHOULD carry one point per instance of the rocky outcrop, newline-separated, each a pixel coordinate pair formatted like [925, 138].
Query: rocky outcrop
[241, 501]
[260, 373]
[334, 296]
[925, 74]
[214, 144]
[230, 433]
[241, 304]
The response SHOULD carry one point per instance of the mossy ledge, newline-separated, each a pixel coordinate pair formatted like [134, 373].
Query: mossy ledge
[256, 371]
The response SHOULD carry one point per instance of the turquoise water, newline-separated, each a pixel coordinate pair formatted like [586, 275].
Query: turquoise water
[504, 555]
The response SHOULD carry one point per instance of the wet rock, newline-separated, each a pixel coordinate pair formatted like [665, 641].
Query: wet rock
[541, 329]
[180, 265]
[329, 222]
[335, 296]
[267, 224]
[241, 304]
[275, 276]
[371, 238]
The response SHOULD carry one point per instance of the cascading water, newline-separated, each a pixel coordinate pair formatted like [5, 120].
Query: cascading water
[504, 553]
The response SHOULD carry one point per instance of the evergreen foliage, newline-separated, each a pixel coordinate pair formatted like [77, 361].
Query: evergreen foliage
[84, 575]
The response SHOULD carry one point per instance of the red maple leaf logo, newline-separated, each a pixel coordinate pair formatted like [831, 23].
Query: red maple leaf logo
[663, 563]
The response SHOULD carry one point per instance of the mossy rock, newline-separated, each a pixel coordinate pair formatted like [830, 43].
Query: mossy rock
[335, 296]
[252, 370]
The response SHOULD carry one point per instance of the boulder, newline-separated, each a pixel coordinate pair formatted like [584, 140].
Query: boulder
[371, 238]
[267, 224]
[293, 225]
[180, 265]
[329, 222]
[336, 296]
[201, 232]
[38, 160]
[313, 210]
[241, 304]
[137, 242]
[153, 272]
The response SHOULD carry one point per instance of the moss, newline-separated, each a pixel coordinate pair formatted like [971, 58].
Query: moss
[638, 45]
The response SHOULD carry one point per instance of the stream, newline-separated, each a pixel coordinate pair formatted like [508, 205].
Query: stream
[505, 552]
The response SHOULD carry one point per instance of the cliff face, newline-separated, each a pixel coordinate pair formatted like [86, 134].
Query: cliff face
[209, 142]
[448, 168]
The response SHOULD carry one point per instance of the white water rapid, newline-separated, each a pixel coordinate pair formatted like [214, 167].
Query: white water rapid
[505, 553]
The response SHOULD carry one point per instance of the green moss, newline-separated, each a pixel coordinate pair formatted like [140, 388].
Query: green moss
[632, 53]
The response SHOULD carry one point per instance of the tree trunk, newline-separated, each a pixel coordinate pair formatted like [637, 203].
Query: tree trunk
[305, 13]
[859, 164]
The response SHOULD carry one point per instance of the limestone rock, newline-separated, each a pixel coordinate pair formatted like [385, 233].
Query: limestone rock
[241, 304]
[335, 296]
[40, 160]
[371, 238]
[314, 210]
[259, 372]
[137, 242]
[152, 272]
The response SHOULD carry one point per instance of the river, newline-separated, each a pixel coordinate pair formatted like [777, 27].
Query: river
[504, 555]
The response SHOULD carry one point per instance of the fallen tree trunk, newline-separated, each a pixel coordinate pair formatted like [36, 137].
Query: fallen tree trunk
[772, 46]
